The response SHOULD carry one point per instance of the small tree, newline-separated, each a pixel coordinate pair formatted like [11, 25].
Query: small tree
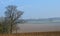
[12, 15]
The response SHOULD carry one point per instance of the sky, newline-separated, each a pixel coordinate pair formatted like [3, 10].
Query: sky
[34, 9]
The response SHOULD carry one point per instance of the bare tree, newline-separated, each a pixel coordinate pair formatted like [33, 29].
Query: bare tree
[11, 17]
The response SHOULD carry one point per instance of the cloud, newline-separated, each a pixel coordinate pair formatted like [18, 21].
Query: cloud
[1, 2]
[6, 2]
[27, 6]
[24, 7]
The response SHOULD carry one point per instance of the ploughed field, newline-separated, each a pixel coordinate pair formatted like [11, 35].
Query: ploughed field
[55, 33]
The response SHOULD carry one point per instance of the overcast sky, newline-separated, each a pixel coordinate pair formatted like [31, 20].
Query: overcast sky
[34, 8]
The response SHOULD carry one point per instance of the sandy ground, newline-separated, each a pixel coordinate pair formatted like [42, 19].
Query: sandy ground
[24, 28]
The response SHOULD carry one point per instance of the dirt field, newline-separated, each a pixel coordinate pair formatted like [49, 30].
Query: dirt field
[34, 34]
[38, 27]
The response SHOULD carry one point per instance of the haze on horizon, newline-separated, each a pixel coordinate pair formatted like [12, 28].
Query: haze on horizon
[34, 9]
